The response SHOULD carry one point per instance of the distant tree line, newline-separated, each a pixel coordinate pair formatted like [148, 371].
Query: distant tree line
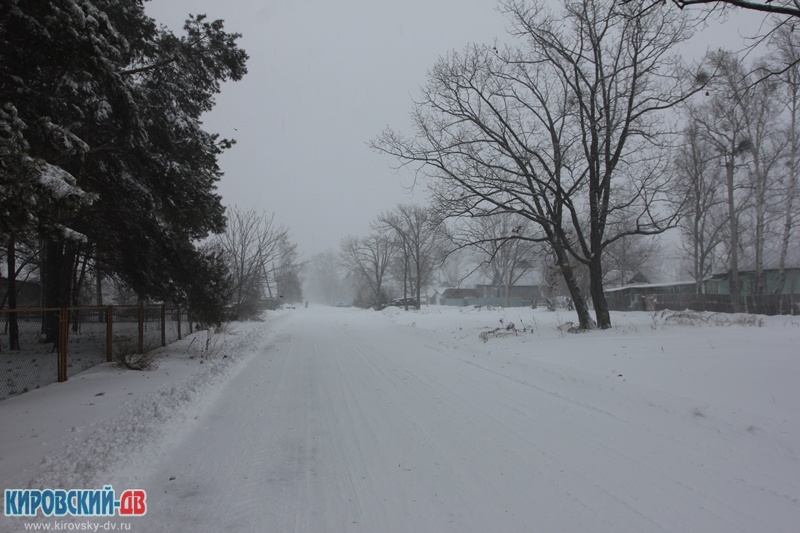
[262, 263]
[406, 245]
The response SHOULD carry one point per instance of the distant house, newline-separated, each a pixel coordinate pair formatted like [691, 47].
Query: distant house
[485, 294]
[638, 278]
[719, 283]
[459, 297]
[618, 278]
[437, 298]
[633, 297]
[716, 296]
[519, 295]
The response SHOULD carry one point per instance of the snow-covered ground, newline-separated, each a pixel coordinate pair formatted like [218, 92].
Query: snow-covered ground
[334, 420]
[36, 363]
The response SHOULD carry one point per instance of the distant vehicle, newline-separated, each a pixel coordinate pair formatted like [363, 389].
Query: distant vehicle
[402, 302]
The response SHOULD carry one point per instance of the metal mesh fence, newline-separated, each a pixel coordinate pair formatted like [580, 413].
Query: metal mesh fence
[174, 326]
[125, 331]
[28, 360]
[152, 329]
[41, 346]
[86, 339]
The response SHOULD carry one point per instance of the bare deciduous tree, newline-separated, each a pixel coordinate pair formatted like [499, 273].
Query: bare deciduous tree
[787, 56]
[778, 16]
[251, 246]
[420, 238]
[721, 122]
[629, 256]
[456, 267]
[565, 130]
[766, 151]
[369, 259]
[286, 273]
[789, 8]
[507, 244]
[739, 120]
[699, 190]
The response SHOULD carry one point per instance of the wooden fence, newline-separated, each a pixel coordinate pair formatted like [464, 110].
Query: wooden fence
[769, 304]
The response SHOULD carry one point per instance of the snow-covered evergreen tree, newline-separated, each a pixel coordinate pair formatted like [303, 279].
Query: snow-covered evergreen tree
[110, 103]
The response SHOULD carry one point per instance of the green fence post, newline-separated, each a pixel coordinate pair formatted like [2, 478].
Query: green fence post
[63, 339]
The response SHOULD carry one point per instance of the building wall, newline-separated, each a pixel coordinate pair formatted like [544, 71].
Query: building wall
[483, 302]
[723, 286]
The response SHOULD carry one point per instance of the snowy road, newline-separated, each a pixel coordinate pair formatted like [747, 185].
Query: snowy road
[348, 422]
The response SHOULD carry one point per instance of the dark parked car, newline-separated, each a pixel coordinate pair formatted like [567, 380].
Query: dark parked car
[402, 302]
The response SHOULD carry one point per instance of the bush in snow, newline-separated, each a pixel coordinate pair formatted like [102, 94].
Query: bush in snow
[208, 344]
[137, 361]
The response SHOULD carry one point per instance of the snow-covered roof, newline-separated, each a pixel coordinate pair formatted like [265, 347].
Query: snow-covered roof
[651, 285]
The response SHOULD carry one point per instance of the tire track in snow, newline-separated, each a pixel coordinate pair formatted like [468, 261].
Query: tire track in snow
[468, 473]
[350, 423]
[644, 446]
[630, 459]
[524, 467]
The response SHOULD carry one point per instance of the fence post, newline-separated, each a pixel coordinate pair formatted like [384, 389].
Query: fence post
[141, 327]
[63, 339]
[109, 334]
[178, 310]
[163, 325]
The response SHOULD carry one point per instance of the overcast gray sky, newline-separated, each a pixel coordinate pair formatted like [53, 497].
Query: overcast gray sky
[326, 76]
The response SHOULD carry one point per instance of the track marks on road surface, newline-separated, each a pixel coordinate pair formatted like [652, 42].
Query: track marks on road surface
[351, 423]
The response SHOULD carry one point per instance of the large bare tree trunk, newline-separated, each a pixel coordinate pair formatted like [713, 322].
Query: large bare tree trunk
[13, 324]
[58, 261]
[788, 223]
[585, 320]
[736, 289]
[98, 285]
[601, 312]
[788, 54]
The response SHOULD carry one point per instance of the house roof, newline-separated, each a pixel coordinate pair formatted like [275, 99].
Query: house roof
[650, 285]
[460, 293]
[638, 278]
